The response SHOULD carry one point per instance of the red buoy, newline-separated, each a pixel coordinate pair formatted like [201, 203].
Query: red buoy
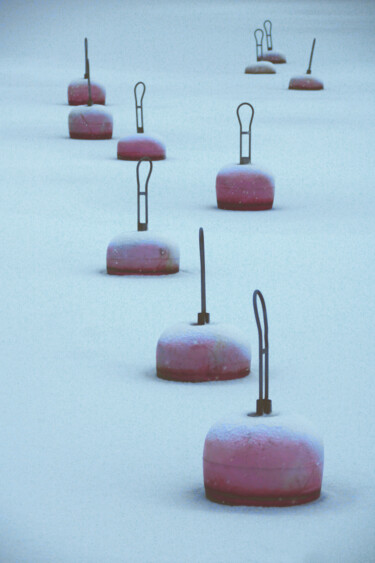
[244, 186]
[135, 147]
[261, 66]
[202, 351]
[78, 90]
[306, 82]
[90, 122]
[270, 55]
[142, 252]
[263, 459]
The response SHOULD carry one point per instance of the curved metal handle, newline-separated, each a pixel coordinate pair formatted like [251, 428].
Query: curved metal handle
[142, 226]
[268, 30]
[311, 56]
[86, 58]
[245, 159]
[89, 103]
[203, 316]
[139, 106]
[264, 404]
[259, 43]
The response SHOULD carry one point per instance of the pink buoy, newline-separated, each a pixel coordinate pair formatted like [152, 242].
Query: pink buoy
[244, 186]
[202, 351]
[135, 147]
[78, 90]
[270, 55]
[263, 459]
[142, 252]
[90, 122]
[260, 67]
[306, 82]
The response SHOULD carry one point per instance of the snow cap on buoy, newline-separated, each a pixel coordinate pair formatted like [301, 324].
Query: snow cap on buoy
[306, 82]
[142, 252]
[78, 90]
[202, 351]
[135, 147]
[90, 122]
[263, 459]
[244, 186]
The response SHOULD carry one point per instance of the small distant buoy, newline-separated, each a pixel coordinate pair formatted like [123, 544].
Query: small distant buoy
[306, 82]
[260, 67]
[90, 122]
[142, 252]
[243, 186]
[202, 351]
[135, 147]
[263, 459]
[272, 56]
[78, 90]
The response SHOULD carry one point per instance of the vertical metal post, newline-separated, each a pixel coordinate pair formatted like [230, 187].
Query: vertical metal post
[203, 316]
[264, 404]
[311, 56]
[245, 159]
[142, 225]
[86, 75]
[139, 107]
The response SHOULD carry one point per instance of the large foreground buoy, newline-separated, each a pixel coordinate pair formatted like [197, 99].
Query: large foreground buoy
[142, 252]
[306, 82]
[263, 459]
[270, 55]
[244, 186]
[261, 66]
[135, 147]
[202, 351]
[90, 122]
[78, 90]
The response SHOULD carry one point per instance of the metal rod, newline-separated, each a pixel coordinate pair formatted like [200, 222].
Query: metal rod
[259, 43]
[268, 33]
[263, 404]
[247, 158]
[139, 107]
[311, 56]
[89, 83]
[203, 316]
[142, 226]
[86, 58]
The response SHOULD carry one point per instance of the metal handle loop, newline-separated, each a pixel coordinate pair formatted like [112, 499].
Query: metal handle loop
[259, 43]
[264, 404]
[247, 158]
[139, 107]
[142, 226]
[86, 58]
[203, 316]
[268, 30]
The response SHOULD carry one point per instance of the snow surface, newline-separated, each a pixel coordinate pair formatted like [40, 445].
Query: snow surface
[100, 460]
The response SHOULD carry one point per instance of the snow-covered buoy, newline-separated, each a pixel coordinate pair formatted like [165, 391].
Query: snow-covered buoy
[142, 252]
[306, 82]
[90, 122]
[202, 351]
[244, 186]
[261, 66]
[263, 459]
[134, 147]
[78, 90]
[272, 56]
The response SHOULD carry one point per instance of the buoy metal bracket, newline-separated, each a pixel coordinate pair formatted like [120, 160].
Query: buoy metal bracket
[86, 75]
[263, 404]
[311, 57]
[139, 106]
[245, 159]
[259, 43]
[203, 316]
[142, 226]
[268, 30]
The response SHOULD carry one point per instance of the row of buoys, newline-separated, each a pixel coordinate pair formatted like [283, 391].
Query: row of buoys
[258, 459]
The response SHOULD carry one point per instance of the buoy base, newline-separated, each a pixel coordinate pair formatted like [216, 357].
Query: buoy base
[90, 122]
[233, 499]
[244, 187]
[246, 206]
[305, 83]
[140, 146]
[274, 57]
[261, 67]
[189, 377]
[90, 136]
[141, 272]
[78, 93]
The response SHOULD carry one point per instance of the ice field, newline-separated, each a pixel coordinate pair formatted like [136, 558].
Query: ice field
[101, 461]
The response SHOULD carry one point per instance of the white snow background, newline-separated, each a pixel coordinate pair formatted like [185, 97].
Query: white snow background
[101, 461]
